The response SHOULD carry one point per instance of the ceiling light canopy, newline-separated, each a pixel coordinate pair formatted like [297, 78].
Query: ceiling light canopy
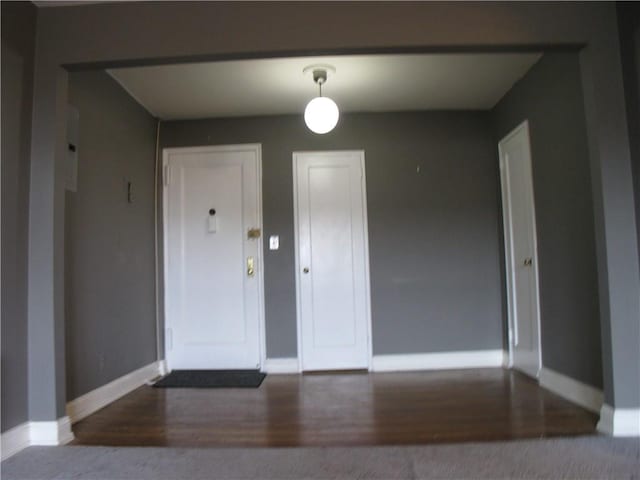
[321, 114]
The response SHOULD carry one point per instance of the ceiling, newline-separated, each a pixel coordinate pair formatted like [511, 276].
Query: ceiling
[361, 83]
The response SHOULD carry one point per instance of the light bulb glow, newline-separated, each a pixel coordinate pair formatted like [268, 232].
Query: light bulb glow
[321, 115]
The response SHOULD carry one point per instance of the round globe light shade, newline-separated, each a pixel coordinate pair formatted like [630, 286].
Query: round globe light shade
[321, 115]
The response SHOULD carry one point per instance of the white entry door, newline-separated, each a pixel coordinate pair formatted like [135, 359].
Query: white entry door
[332, 260]
[213, 279]
[520, 251]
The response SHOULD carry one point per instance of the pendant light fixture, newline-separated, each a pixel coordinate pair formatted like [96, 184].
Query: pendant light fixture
[321, 114]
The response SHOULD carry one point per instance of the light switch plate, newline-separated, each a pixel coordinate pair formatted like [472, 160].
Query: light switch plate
[274, 242]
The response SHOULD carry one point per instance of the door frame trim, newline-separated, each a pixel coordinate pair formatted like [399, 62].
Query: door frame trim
[257, 148]
[365, 225]
[509, 277]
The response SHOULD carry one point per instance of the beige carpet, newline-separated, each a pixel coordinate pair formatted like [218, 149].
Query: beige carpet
[579, 458]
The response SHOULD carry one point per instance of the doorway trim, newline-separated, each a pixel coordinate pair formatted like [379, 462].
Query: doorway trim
[509, 277]
[360, 153]
[257, 149]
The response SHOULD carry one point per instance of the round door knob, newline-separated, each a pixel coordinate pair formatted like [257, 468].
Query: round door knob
[305, 269]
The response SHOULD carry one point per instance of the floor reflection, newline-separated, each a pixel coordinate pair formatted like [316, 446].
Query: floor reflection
[340, 409]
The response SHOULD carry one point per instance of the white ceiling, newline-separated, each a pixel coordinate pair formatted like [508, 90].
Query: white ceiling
[362, 83]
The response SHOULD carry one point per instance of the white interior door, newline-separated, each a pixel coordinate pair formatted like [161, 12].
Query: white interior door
[213, 278]
[332, 260]
[520, 250]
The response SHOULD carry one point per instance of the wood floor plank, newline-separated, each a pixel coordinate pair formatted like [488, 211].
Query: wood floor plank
[345, 409]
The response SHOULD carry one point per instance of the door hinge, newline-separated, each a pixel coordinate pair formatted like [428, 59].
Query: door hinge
[166, 172]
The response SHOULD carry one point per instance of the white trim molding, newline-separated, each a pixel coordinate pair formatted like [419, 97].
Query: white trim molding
[619, 422]
[56, 432]
[162, 367]
[571, 389]
[506, 359]
[281, 365]
[96, 399]
[15, 439]
[438, 361]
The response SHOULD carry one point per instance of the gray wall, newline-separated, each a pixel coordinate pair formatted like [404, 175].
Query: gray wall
[629, 30]
[550, 97]
[18, 39]
[109, 243]
[134, 33]
[434, 236]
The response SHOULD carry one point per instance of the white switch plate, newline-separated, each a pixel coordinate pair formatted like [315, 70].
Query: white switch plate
[274, 242]
[212, 224]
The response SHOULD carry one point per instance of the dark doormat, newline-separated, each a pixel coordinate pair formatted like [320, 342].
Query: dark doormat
[211, 379]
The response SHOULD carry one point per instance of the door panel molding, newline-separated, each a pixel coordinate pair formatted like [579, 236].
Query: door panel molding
[256, 149]
[328, 155]
[523, 131]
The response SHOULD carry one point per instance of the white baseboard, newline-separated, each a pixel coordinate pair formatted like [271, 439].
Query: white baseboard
[15, 439]
[573, 390]
[162, 367]
[438, 361]
[56, 432]
[506, 360]
[281, 365]
[619, 422]
[96, 399]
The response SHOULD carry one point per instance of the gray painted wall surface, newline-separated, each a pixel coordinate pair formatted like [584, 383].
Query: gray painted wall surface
[629, 30]
[18, 40]
[550, 97]
[133, 33]
[433, 236]
[109, 269]
[614, 215]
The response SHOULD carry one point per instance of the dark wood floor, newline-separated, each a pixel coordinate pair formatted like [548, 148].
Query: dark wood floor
[335, 409]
